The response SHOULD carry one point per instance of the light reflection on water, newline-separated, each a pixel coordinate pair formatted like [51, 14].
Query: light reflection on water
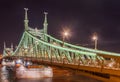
[59, 76]
[33, 80]
[4, 74]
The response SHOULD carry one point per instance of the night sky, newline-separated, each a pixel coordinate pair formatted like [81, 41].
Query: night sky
[82, 17]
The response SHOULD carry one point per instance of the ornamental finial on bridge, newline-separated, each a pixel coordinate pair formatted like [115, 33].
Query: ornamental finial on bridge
[4, 45]
[26, 19]
[45, 22]
[26, 9]
[11, 46]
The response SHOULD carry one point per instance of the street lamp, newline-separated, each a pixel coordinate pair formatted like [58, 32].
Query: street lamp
[65, 35]
[95, 38]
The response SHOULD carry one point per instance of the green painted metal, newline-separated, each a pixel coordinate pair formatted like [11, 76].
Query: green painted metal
[26, 19]
[19, 45]
[45, 24]
[59, 47]
[36, 43]
[84, 48]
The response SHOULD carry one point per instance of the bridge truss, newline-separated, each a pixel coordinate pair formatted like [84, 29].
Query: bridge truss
[36, 43]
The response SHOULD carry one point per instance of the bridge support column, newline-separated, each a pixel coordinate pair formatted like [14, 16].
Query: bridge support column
[114, 78]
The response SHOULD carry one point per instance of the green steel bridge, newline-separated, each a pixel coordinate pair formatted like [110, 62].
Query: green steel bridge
[39, 45]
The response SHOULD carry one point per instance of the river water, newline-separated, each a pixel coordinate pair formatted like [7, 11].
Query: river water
[59, 75]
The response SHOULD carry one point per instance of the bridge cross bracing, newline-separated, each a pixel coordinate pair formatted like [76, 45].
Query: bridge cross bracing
[36, 43]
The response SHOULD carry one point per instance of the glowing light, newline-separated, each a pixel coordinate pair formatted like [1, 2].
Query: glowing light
[28, 63]
[19, 61]
[66, 33]
[95, 38]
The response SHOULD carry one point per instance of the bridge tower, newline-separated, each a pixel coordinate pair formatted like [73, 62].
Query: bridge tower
[45, 24]
[26, 19]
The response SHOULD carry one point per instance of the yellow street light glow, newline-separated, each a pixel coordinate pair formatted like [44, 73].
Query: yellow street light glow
[95, 37]
[66, 34]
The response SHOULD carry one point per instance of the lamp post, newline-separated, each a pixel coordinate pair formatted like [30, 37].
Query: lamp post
[95, 38]
[65, 35]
